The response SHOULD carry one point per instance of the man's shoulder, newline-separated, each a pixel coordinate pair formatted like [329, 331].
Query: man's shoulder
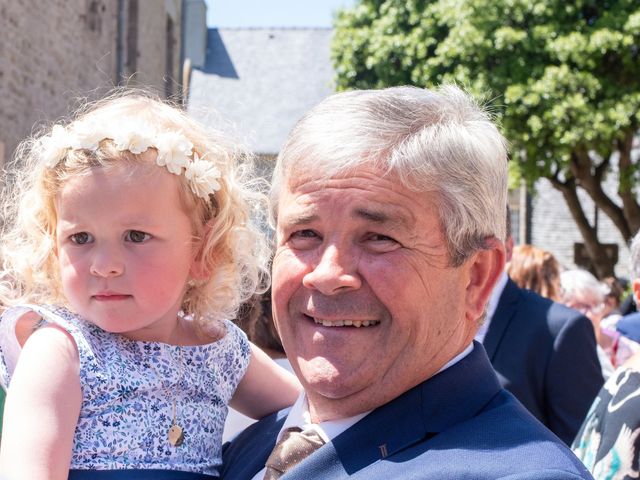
[502, 441]
[483, 429]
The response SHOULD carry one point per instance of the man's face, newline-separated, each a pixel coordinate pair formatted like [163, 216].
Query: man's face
[364, 298]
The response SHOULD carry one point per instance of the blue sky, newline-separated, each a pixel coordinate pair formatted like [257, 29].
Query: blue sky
[272, 13]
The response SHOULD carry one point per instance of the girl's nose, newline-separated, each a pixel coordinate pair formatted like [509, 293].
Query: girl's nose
[106, 263]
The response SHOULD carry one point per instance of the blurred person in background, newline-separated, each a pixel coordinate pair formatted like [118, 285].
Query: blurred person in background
[611, 309]
[535, 269]
[629, 325]
[585, 293]
[609, 440]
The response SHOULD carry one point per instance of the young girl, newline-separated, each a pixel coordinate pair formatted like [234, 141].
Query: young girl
[128, 242]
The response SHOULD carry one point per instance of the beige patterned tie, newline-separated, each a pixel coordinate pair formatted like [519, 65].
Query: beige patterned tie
[293, 447]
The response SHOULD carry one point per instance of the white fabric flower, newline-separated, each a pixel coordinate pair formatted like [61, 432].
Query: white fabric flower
[203, 177]
[134, 138]
[55, 146]
[174, 151]
[86, 136]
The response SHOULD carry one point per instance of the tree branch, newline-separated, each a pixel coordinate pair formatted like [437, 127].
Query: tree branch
[594, 248]
[581, 169]
[630, 205]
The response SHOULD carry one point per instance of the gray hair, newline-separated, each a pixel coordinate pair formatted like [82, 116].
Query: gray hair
[635, 256]
[435, 140]
[578, 283]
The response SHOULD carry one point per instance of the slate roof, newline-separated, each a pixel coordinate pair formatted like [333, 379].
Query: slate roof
[257, 82]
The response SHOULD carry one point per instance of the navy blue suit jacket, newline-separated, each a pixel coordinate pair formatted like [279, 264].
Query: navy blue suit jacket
[629, 326]
[545, 354]
[459, 424]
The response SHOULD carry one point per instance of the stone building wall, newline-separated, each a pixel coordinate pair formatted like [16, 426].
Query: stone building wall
[55, 52]
[50, 53]
[158, 30]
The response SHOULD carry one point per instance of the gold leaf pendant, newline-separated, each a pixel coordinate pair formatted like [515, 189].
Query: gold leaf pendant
[175, 435]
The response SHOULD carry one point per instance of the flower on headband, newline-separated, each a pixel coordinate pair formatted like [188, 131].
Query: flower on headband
[86, 136]
[174, 151]
[55, 146]
[136, 140]
[203, 177]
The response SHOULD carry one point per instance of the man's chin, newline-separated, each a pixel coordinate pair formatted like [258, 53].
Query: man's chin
[334, 383]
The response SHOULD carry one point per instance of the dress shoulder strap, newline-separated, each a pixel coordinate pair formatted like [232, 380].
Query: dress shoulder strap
[16, 326]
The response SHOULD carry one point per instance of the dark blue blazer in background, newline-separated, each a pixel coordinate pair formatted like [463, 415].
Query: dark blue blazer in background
[629, 326]
[459, 424]
[545, 354]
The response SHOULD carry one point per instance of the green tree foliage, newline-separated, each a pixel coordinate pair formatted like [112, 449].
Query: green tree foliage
[564, 80]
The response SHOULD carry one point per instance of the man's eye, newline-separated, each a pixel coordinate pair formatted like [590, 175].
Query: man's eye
[381, 243]
[81, 238]
[136, 236]
[303, 239]
[377, 237]
[304, 234]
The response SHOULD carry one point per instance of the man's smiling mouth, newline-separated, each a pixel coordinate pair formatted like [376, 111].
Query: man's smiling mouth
[345, 323]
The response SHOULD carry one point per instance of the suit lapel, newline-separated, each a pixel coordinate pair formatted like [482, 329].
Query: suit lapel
[444, 400]
[384, 431]
[506, 309]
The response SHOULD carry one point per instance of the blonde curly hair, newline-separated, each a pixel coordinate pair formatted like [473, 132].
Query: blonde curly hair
[234, 249]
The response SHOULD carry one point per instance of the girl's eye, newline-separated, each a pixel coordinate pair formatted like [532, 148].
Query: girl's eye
[81, 238]
[136, 236]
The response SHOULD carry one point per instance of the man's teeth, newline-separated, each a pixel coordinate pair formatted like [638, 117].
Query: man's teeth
[346, 323]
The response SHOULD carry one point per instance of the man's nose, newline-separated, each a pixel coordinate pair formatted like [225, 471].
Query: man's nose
[106, 262]
[335, 272]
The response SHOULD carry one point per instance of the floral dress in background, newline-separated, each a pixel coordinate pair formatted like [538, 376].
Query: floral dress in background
[608, 442]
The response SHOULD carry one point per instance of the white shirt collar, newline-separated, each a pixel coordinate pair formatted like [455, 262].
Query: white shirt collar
[300, 417]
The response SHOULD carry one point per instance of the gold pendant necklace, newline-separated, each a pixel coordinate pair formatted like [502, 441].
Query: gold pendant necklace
[175, 435]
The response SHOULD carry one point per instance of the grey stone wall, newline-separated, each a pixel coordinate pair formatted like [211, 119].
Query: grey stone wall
[51, 53]
[55, 52]
[152, 68]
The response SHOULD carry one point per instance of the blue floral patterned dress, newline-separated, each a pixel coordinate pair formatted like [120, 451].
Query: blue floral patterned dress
[608, 442]
[128, 392]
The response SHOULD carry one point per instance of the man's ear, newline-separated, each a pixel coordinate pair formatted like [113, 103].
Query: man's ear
[486, 266]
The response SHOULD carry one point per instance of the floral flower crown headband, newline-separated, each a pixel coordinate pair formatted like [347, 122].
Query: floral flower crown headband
[175, 151]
